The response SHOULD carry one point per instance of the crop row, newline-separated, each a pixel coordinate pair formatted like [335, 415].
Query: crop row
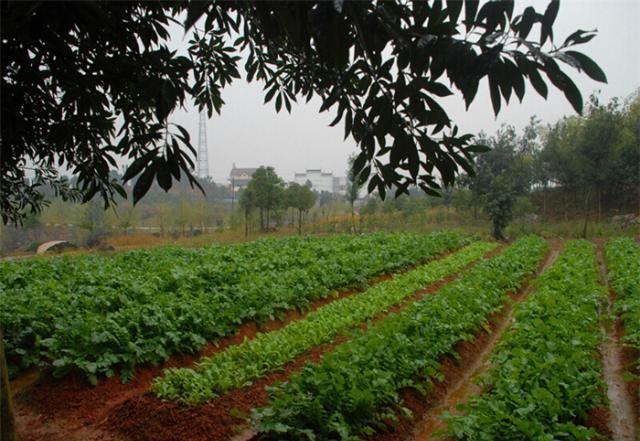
[97, 313]
[623, 261]
[547, 369]
[240, 365]
[355, 388]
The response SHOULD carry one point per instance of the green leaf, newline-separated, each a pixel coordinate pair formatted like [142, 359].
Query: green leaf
[478, 148]
[579, 37]
[526, 22]
[470, 10]
[494, 88]
[144, 182]
[163, 175]
[138, 165]
[537, 82]
[195, 10]
[589, 66]
[548, 19]
[564, 83]
[437, 88]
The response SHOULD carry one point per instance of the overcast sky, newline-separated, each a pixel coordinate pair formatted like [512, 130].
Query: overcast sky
[250, 134]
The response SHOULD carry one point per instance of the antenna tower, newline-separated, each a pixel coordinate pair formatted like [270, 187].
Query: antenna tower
[202, 160]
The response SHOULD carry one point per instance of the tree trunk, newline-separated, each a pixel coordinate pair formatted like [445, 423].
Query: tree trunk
[497, 232]
[268, 226]
[300, 222]
[7, 423]
[599, 204]
[246, 224]
[586, 214]
[353, 219]
[261, 220]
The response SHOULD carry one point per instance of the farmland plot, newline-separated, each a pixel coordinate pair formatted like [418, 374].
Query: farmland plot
[101, 314]
[623, 261]
[547, 375]
[355, 388]
[343, 370]
[240, 365]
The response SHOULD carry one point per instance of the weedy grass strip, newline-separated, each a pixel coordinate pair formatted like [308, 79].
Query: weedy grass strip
[97, 314]
[547, 373]
[240, 365]
[355, 388]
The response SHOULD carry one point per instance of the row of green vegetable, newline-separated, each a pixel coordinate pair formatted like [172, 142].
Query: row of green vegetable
[623, 262]
[355, 389]
[547, 373]
[100, 313]
[240, 365]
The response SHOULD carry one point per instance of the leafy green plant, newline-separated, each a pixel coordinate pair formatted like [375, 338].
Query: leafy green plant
[355, 388]
[623, 261]
[100, 314]
[240, 365]
[547, 372]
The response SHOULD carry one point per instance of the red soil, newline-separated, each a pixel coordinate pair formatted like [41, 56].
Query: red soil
[598, 419]
[147, 418]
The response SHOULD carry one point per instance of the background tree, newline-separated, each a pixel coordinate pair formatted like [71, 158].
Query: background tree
[627, 168]
[86, 83]
[594, 159]
[301, 198]
[247, 203]
[267, 190]
[597, 150]
[501, 177]
[354, 184]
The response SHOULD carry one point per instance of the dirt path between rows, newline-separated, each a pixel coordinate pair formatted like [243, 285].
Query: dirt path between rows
[70, 409]
[459, 383]
[622, 417]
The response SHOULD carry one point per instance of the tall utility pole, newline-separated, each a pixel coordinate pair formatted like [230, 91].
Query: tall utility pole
[202, 161]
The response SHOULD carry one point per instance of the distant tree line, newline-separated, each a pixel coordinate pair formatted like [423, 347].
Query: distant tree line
[267, 192]
[584, 169]
[577, 167]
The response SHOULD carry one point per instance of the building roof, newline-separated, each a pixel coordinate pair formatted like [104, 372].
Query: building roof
[242, 172]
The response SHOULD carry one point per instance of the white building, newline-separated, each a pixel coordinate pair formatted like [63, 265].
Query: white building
[321, 181]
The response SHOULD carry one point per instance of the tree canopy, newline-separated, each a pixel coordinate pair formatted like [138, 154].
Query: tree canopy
[86, 83]
[301, 198]
[502, 176]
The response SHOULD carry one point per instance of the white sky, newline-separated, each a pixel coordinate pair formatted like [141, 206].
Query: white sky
[250, 134]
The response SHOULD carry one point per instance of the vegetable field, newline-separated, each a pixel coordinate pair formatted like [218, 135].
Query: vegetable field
[98, 314]
[388, 327]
